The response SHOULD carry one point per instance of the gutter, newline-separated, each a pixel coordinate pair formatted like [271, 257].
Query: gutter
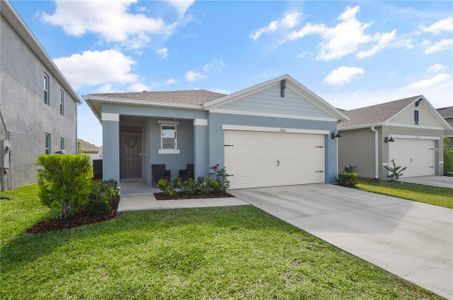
[376, 152]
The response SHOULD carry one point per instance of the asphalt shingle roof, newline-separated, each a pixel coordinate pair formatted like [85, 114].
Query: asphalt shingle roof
[376, 113]
[193, 97]
[446, 111]
[88, 147]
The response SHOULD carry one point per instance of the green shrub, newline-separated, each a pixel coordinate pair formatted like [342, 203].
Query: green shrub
[64, 182]
[102, 196]
[395, 172]
[201, 186]
[166, 187]
[448, 154]
[347, 179]
[214, 185]
[189, 186]
[222, 177]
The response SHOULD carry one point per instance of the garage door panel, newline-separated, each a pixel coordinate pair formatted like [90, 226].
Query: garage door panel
[415, 154]
[257, 159]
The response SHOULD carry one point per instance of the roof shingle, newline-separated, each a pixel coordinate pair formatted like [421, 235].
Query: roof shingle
[446, 112]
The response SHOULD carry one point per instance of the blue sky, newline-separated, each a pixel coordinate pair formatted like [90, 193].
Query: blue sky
[351, 53]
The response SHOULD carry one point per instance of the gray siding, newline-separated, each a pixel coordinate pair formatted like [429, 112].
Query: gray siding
[26, 115]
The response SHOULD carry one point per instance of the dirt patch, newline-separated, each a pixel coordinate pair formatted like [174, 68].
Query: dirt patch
[182, 195]
[82, 218]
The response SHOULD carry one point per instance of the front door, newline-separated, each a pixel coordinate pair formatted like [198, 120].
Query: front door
[131, 153]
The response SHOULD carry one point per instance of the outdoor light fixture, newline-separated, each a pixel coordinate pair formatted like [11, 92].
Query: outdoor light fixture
[389, 140]
[334, 135]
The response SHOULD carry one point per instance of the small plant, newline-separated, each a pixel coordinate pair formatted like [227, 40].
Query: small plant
[64, 182]
[350, 168]
[102, 196]
[347, 179]
[201, 186]
[222, 177]
[166, 187]
[395, 172]
[214, 185]
[189, 186]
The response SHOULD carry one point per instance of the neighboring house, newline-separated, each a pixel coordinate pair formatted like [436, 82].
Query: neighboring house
[89, 149]
[274, 133]
[409, 131]
[447, 114]
[38, 105]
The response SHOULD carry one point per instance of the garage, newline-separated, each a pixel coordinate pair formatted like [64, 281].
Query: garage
[260, 157]
[418, 155]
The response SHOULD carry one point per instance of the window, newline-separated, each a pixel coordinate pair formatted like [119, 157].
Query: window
[61, 102]
[62, 144]
[46, 89]
[416, 117]
[47, 144]
[168, 139]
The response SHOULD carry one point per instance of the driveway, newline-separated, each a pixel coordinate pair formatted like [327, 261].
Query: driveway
[409, 239]
[439, 181]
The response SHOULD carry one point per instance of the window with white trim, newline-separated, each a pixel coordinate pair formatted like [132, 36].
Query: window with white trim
[168, 138]
[416, 117]
[61, 102]
[47, 144]
[62, 144]
[46, 89]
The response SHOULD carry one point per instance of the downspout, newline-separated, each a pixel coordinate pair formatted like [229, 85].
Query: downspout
[376, 152]
[339, 123]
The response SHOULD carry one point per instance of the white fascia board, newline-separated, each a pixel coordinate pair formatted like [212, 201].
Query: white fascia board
[272, 115]
[93, 109]
[110, 117]
[274, 129]
[200, 122]
[414, 137]
[413, 126]
[360, 126]
[117, 100]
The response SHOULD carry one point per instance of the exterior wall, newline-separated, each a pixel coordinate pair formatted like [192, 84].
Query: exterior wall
[426, 117]
[270, 101]
[216, 136]
[26, 115]
[391, 130]
[356, 147]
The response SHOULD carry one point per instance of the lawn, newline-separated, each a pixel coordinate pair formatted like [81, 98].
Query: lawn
[235, 252]
[410, 191]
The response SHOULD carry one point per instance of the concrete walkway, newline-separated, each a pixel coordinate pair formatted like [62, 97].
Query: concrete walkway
[439, 181]
[409, 239]
[139, 196]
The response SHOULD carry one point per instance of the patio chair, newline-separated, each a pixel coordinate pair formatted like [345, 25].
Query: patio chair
[159, 172]
[187, 173]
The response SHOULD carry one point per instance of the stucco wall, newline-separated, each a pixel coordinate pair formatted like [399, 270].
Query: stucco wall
[26, 114]
[216, 136]
[356, 147]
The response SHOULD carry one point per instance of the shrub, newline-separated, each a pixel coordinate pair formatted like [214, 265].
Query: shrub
[347, 179]
[64, 182]
[102, 196]
[448, 154]
[166, 187]
[214, 185]
[222, 177]
[201, 186]
[395, 172]
[188, 186]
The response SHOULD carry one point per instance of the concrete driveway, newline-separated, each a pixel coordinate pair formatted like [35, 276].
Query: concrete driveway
[409, 239]
[439, 181]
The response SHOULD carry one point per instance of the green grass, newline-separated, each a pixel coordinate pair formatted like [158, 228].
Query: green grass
[211, 253]
[410, 191]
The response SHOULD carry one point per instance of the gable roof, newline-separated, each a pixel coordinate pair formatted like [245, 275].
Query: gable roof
[379, 114]
[446, 112]
[88, 147]
[15, 21]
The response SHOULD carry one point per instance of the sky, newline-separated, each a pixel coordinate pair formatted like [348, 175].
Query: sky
[351, 53]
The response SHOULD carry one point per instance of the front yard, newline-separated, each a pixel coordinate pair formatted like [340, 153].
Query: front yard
[410, 191]
[236, 252]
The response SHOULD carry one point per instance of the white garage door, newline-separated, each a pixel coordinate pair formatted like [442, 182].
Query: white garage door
[259, 159]
[417, 155]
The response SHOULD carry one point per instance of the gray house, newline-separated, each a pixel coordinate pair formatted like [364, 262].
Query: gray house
[408, 130]
[274, 133]
[38, 107]
[447, 114]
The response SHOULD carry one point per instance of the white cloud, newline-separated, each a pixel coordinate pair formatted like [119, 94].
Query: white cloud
[138, 87]
[288, 21]
[181, 5]
[343, 75]
[193, 76]
[170, 81]
[110, 20]
[344, 38]
[214, 65]
[429, 82]
[436, 68]
[96, 68]
[162, 52]
[383, 41]
[445, 25]
[438, 46]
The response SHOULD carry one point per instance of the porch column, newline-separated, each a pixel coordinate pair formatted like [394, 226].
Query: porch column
[111, 146]
[200, 143]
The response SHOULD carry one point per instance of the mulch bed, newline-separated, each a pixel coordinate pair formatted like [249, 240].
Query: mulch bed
[182, 195]
[80, 219]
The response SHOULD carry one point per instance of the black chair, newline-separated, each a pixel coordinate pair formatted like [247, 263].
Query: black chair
[159, 172]
[187, 173]
[97, 168]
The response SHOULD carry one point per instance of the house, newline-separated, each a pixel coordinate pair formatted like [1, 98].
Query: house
[38, 107]
[447, 114]
[274, 133]
[408, 130]
[89, 149]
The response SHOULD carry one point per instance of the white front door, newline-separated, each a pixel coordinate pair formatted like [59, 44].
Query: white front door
[260, 159]
[417, 155]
